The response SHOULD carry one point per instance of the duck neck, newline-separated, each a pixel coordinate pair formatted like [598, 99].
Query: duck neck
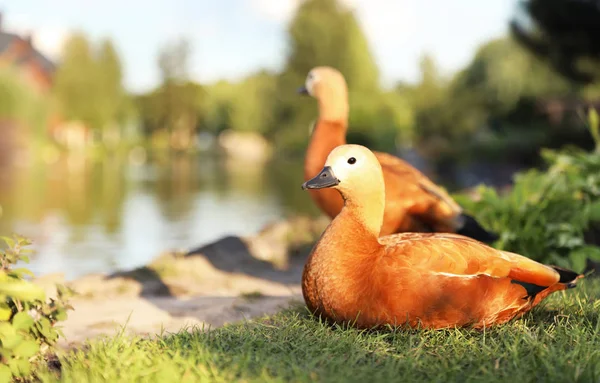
[368, 215]
[349, 234]
[326, 136]
[333, 107]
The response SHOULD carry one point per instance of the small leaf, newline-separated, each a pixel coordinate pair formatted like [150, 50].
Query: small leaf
[11, 341]
[6, 329]
[22, 321]
[61, 315]
[9, 241]
[14, 367]
[5, 374]
[21, 271]
[595, 211]
[5, 312]
[24, 367]
[592, 253]
[44, 327]
[26, 349]
[23, 290]
[578, 260]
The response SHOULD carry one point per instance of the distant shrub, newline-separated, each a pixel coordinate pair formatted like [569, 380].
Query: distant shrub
[547, 215]
[21, 104]
[27, 319]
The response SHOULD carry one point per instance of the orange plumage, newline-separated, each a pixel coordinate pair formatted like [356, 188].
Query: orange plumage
[413, 202]
[432, 280]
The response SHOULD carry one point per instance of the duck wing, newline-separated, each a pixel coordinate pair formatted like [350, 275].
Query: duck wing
[422, 198]
[454, 255]
[421, 195]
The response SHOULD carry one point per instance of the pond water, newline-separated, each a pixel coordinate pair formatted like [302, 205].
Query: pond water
[108, 215]
[101, 216]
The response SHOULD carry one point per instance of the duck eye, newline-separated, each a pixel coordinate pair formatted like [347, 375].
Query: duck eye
[351, 160]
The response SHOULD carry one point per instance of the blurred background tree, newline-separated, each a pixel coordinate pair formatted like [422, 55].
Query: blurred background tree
[563, 32]
[324, 32]
[518, 93]
[172, 111]
[89, 87]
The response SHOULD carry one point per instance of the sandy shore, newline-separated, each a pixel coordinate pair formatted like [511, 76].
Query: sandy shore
[226, 281]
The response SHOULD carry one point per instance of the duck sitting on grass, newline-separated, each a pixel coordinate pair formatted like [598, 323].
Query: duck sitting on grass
[427, 280]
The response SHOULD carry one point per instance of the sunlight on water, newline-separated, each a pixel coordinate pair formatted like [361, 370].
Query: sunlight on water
[86, 216]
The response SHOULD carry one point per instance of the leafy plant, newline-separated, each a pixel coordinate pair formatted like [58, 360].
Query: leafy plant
[547, 215]
[27, 319]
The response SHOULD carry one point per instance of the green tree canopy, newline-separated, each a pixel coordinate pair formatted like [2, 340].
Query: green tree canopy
[251, 107]
[322, 32]
[564, 32]
[172, 111]
[76, 85]
[21, 104]
[89, 85]
[110, 82]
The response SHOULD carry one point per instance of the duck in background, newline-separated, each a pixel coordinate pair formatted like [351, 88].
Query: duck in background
[413, 203]
[431, 280]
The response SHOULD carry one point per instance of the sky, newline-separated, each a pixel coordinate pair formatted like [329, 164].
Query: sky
[232, 38]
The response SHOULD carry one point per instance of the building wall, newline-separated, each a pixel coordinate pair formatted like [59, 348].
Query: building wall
[32, 70]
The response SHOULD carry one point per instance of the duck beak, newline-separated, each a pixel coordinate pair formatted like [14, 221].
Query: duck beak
[325, 179]
[302, 90]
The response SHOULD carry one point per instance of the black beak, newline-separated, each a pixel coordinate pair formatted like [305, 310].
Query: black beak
[302, 90]
[325, 179]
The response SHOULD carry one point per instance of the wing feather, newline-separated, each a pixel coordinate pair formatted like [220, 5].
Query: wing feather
[423, 197]
[459, 256]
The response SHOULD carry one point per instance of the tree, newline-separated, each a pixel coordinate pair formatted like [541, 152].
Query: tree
[110, 87]
[564, 32]
[76, 82]
[23, 112]
[251, 105]
[218, 104]
[89, 88]
[173, 110]
[322, 32]
[495, 103]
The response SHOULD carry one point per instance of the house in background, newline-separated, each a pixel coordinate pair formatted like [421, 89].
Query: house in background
[19, 52]
[36, 71]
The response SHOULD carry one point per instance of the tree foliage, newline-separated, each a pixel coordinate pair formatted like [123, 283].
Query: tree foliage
[564, 32]
[19, 103]
[88, 84]
[171, 112]
[551, 216]
[495, 105]
[324, 32]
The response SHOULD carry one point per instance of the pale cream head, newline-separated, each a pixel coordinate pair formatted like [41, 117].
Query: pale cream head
[328, 86]
[356, 173]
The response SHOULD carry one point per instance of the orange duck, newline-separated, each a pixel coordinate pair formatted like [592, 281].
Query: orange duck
[413, 202]
[432, 280]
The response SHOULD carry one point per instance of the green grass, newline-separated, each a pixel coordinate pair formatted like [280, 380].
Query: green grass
[557, 342]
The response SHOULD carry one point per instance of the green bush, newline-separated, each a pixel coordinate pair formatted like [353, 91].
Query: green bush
[27, 320]
[19, 103]
[547, 215]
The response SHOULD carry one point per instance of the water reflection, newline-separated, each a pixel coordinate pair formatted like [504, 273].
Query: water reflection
[99, 216]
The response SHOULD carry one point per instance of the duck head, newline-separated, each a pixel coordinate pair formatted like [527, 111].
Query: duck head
[328, 86]
[355, 172]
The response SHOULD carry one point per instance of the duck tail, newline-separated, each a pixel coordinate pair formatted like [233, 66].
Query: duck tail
[568, 280]
[567, 277]
[471, 228]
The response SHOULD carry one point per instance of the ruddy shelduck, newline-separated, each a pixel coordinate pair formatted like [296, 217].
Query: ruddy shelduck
[427, 280]
[413, 202]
